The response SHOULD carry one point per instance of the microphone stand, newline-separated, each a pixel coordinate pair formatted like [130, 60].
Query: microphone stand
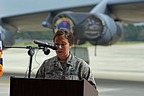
[31, 52]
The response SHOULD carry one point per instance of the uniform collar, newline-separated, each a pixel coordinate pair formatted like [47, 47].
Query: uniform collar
[69, 60]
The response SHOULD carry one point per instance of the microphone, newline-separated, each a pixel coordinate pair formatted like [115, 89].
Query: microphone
[44, 44]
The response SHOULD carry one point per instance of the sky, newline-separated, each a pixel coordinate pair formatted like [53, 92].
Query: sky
[10, 7]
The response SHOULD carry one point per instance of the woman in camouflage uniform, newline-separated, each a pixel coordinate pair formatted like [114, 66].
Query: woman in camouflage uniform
[65, 65]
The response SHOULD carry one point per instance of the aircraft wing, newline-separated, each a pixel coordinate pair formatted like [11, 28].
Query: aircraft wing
[119, 10]
[108, 11]
[33, 21]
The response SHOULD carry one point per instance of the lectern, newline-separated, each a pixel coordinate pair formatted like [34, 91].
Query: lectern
[49, 87]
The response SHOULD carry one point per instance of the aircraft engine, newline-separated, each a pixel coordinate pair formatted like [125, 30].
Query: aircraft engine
[7, 37]
[98, 29]
[109, 33]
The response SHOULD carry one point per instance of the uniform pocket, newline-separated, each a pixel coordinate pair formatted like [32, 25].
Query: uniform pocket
[53, 75]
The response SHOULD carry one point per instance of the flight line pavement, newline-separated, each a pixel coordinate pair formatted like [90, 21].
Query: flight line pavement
[117, 62]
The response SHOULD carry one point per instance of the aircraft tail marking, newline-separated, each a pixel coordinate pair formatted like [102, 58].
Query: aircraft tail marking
[1, 58]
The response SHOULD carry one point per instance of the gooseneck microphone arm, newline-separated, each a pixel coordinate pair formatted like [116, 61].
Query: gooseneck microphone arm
[46, 44]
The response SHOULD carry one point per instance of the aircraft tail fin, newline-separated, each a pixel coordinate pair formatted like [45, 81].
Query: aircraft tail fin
[1, 58]
[1, 70]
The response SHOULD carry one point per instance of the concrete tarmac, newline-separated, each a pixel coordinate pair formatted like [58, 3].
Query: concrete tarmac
[117, 62]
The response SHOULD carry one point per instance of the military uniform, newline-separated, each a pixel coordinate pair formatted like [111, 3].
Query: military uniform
[73, 69]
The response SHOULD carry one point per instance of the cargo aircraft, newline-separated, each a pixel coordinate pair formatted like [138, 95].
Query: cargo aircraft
[98, 22]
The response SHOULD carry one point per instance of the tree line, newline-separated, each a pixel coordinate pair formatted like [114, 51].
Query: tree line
[131, 33]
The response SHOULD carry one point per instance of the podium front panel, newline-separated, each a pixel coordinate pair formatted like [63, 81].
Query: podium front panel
[45, 87]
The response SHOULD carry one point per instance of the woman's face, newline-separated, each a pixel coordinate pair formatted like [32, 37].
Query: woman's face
[63, 47]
